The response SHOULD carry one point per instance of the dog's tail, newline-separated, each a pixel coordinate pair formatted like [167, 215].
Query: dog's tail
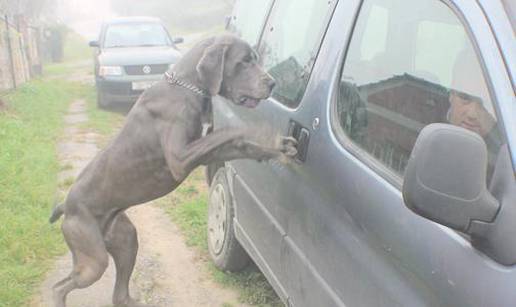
[56, 213]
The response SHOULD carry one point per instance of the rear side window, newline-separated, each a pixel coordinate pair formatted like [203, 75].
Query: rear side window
[248, 19]
[410, 64]
[290, 45]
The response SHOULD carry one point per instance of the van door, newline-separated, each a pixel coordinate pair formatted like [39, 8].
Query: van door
[265, 192]
[408, 64]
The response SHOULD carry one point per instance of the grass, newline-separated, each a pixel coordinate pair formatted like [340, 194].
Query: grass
[253, 287]
[66, 167]
[76, 48]
[29, 130]
[187, 207]
[78, 59]
[31, 122]
[100, 121]
[65, 184]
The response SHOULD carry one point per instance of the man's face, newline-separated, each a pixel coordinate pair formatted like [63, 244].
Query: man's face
[469, 113]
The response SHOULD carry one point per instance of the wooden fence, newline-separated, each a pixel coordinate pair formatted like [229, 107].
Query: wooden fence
[20, 56]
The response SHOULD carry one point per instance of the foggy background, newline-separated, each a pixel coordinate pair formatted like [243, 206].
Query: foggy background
[86, 16]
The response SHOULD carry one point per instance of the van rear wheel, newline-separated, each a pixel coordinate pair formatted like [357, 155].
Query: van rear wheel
[225, 251]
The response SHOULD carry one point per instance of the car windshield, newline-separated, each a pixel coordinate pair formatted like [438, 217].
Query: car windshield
[136, 35]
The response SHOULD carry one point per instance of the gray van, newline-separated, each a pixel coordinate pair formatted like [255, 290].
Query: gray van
[403, 192]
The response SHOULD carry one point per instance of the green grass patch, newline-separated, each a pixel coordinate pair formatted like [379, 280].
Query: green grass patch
[253, 287]
[29, 130]
[187, 206]
[67, 182]
[66, 167]
[78, 58]
[68, 70]
[57, 70]
[30, 124]
[100, 121]
[76, 48]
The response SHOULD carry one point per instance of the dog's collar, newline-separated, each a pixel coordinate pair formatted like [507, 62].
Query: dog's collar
[173, 80]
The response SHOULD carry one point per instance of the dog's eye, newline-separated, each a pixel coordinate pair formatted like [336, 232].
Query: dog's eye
[247, 59]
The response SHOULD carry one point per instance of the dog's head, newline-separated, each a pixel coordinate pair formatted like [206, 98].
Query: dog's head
[229, 67]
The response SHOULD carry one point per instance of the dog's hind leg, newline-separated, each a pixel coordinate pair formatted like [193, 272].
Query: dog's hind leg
[90, 257]
[122, 243]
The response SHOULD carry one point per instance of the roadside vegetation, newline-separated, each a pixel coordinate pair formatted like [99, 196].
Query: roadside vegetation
[188, 208]
[102, 122]
[31, 122]
[76, 48]
[30, 125]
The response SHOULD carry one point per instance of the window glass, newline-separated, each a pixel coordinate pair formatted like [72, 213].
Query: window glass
[410, 64]
[136, 35]
[291, 44]
[375, 38]
[248, 19]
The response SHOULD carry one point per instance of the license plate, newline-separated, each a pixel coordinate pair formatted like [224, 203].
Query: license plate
[142, 85]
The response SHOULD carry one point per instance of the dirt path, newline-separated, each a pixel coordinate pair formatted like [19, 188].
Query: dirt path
[167, 272]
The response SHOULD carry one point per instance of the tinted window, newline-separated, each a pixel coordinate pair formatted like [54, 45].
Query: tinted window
[248, 19]
[410, 64]
[136, 35]
[291, 43]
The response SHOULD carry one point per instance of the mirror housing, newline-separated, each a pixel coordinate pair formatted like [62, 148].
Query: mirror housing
[227, 21]
[445, 179]
[94, 44]
[178, 40]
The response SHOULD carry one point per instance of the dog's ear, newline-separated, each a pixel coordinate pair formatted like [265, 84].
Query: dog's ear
[211, 67]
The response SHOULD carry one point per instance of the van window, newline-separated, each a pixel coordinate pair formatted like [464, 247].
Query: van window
[291, 43]
[248, 19]
[410, 64]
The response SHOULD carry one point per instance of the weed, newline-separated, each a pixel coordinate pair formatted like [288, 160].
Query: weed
[65, 167]
[67, 182]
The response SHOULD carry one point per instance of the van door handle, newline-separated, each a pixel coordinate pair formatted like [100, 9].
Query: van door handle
[302, 135]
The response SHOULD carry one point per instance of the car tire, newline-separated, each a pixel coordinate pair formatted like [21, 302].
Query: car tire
[223, 246]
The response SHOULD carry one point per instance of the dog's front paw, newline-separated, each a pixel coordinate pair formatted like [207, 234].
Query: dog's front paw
[288, 146]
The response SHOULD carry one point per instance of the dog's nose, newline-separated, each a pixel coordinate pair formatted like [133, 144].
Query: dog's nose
[271, 84]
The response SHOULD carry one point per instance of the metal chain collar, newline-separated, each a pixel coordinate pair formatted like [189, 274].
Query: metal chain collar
[171, 79]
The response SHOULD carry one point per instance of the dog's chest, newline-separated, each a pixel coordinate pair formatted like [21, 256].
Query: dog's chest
[199, 130]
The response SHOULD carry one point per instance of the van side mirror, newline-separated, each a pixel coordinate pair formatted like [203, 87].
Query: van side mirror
[227, 21]
[445, 179]
[178, 40]
[94, 44]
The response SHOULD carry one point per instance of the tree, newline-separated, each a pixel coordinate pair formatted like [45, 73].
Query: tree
[29, 8]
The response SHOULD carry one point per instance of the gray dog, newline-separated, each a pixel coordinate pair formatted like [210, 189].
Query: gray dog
[160, 144]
